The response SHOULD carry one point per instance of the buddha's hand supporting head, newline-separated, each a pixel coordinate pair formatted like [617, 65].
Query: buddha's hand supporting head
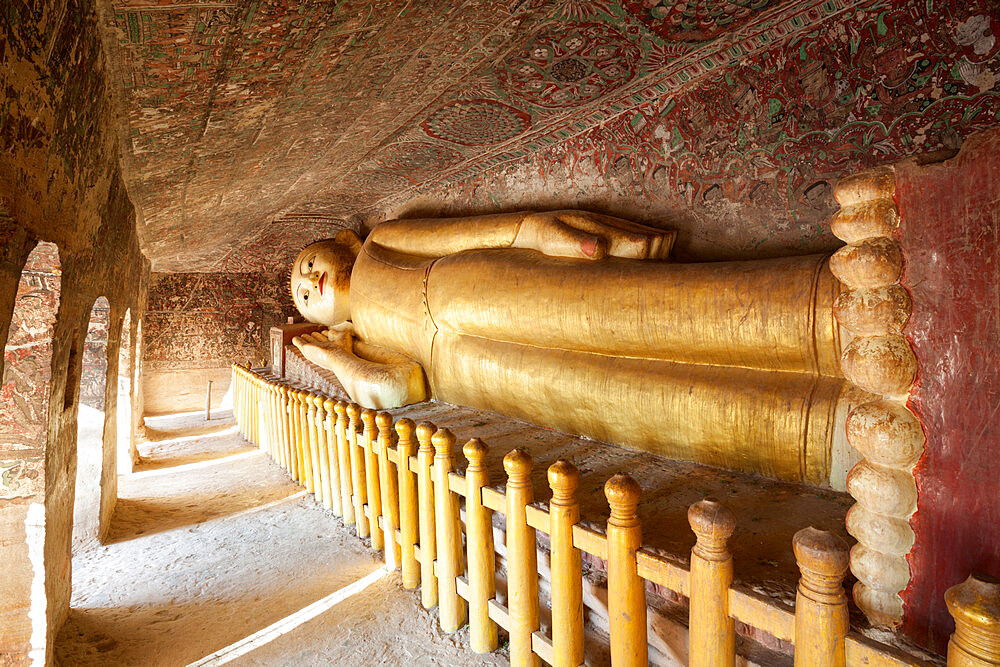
[321, 279]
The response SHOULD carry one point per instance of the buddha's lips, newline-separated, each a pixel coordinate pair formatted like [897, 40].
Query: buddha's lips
[322, 279]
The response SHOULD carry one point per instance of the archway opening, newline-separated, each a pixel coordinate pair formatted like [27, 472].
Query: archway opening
[90, 427]
[24, 408]
[124, 397]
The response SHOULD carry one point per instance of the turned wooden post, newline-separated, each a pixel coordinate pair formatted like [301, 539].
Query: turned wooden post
[358, 479]
[297, 470]
[567, 575]
[257, 390]
[390, 492]
[248, 403]
[332, 456]
[274, 415]
[305, 451]
[278, 419]
[322, 454]
[408, 521]
[237, 398]
[261, 439]
[975, 606]
[451, 608]
[626, 589]
[821, 621]
[286, 430]
[481, 554]
[522, 559]
[299, 414]
[372, 479]
[428, 528]
[264, 437]
[312, 454]
[242, 399]
[711, 630]
[344, 464]
[252, 436]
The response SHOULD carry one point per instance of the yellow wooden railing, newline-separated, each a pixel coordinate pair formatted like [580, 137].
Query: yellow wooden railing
[406, 498]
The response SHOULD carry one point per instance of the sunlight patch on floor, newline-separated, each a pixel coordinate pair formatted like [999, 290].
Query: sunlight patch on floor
[290, 622]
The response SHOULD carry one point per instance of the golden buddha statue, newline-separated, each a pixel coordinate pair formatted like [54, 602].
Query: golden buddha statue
[576, 321]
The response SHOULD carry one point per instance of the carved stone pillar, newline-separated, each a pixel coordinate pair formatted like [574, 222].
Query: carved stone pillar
[873, 309]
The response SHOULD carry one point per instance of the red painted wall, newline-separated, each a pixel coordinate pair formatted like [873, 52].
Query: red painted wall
[950, 234]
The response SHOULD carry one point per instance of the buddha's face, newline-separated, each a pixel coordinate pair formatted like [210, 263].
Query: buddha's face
[321, 282]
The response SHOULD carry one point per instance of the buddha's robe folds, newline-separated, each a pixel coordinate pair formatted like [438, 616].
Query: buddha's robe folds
[733, 364]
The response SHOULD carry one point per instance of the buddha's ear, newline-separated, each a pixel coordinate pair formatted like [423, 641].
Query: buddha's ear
[350, 240]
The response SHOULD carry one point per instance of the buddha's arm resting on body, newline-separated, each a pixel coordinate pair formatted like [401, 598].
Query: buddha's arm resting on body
[577, 234]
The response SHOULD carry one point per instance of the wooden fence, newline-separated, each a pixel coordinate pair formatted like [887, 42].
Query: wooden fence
[397, 485]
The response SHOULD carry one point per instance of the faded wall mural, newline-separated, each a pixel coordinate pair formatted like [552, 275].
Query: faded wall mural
[741, 159]
[211, 319]
[24, 394]
[728, 121]
[95, 356]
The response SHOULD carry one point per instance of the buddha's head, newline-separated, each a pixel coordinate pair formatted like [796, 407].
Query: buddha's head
[321, 278]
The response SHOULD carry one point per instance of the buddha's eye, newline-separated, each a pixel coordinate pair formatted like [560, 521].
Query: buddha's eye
[305, 297]
[310, 264]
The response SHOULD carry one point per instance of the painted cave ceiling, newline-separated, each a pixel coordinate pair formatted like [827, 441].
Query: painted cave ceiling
[310, 113]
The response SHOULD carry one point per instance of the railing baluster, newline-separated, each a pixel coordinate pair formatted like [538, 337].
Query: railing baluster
[332, 456]
[264, 441]
[312, 452]
[451, 607]
[252, 436]
[358, 479]
[256, 408]
[428, 530]
[975, 606]
[408, 521]
[248, 405]
[390, 490]
[626, 590]
[372, 479]
[482, 556]
[567, 577]
[237, 396]
[305, 456]
[284, 436]
[522, 559]
[712, 632]
[322, 454]
[821, 621]
[296, 470]
[344, 464]
[275, 417]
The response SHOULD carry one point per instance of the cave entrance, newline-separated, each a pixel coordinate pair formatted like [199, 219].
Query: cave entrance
[90, 427]
[24, 409]
[124, 398]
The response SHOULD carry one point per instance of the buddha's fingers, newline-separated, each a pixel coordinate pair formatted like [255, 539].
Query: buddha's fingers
[547, 234]
[633, 243]
[317, 338]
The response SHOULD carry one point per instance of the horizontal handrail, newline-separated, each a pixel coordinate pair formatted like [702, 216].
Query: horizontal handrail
[384, 478]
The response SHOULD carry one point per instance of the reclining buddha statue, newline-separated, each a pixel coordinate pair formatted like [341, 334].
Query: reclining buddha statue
[578, 322]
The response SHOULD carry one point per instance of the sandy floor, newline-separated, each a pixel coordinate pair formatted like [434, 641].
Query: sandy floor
[206, 554]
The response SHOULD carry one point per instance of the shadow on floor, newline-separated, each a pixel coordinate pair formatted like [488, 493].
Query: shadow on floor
[184, 497]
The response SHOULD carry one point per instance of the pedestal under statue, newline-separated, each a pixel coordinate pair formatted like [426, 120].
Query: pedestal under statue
[577, 322]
